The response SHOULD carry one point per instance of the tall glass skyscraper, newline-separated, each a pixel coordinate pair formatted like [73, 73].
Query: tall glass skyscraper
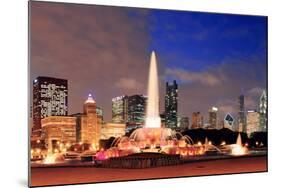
[241, 114]
[213, 121]
[171, 105]
[263, 111]
[120, 109]
[49, 99]
[252, 122]
[136, 109]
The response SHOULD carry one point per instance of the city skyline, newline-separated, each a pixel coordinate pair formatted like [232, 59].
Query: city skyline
[205, 121]
[197, 62]
[123, 93]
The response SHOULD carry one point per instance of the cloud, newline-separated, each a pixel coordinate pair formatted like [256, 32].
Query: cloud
[128, 83]
[198, 93]
[204, 78]
[103, 50]
[255, 91]
[92, 47]
[252, 98]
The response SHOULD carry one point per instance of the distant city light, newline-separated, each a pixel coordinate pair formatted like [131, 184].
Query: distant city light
[214, 108]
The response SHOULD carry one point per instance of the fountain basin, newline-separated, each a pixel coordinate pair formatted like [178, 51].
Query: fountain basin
[141, 160]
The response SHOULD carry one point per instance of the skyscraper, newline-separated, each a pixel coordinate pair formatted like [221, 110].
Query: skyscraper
[241, 114]
[171, 104]
[49, 99]
[78, 123]
[120, 109]
[263, 111]
[197, 120]
[136, 109]
[163, 119]
[90, 122]
[213, 122]
[183, 123]
[253, 118]
[99, 111]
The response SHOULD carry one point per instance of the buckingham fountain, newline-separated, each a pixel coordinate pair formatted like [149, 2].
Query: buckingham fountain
[153, 145]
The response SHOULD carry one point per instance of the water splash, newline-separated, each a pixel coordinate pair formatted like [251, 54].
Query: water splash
[239, 140]
[238, 149]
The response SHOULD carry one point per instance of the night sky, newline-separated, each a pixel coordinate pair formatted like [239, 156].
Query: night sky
[106, 50]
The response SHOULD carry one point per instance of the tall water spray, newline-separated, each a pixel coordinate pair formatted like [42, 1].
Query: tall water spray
[239, 140]
[152, 119]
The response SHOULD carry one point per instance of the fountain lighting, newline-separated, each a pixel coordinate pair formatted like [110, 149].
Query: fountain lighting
[53, 158]
[68, 145]
[154, 138]
[238, 149]
[152, 111]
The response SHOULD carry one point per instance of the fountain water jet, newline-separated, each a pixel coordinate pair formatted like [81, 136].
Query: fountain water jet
[152, 137]
[152, 111]
[239, 140]
[238, 148]
[152, 133]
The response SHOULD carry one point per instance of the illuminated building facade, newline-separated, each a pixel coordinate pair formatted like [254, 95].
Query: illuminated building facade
[197, 120]
[112, 130]
[120, 109]
[78, 117]
[136, 109]
[183, 123]
[263, 112]
[253, 121]
[220, 124]
[213, 113]
[171, 105]
[58, 130]
[49, 99]
[90, 122]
